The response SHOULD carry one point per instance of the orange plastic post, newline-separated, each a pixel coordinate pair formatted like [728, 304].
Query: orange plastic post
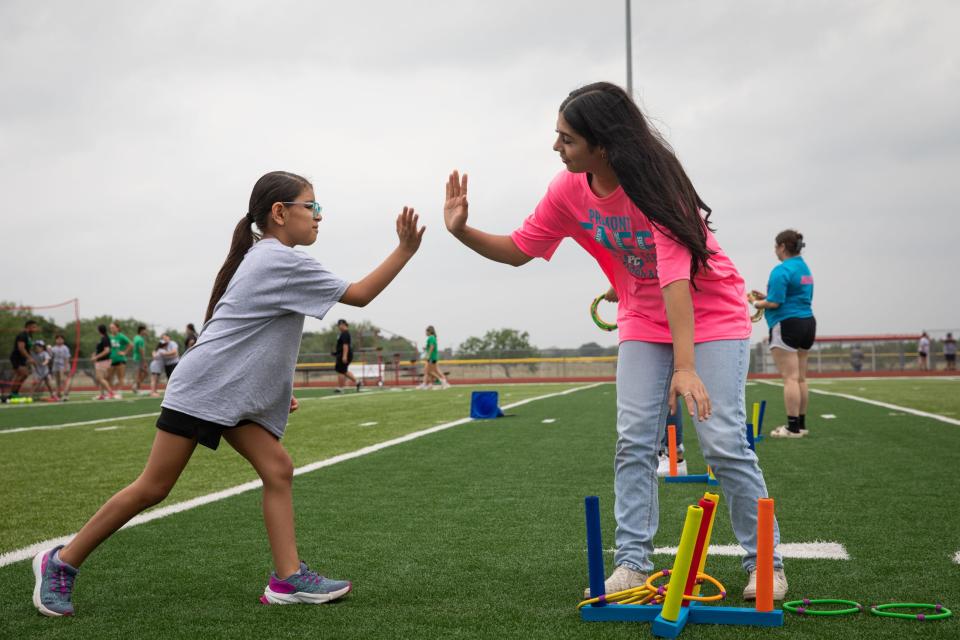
[764, 554]
[672, 446]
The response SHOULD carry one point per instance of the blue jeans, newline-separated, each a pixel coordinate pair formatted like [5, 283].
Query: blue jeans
[644, 371]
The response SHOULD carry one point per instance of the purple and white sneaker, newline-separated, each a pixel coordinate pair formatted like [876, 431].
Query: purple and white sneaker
[54, 584]
[304, 587]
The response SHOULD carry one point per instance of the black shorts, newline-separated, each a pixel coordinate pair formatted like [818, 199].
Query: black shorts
[340, 366]
[796, 333]
[168, 368]
[18, 362]
[117, 364]
[950, 357]
[182, 424]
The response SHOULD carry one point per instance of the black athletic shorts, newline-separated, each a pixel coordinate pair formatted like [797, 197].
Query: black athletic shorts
[18, 361]
[181, 424]
[340, 366]
[797, 333]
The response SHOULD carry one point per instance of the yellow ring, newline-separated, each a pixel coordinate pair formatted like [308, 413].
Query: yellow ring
[758, 316]
[700, 576]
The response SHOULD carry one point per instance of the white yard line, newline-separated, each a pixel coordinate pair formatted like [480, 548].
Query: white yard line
[806, 550]
[885, 405]
[66, 425]
[25, 553]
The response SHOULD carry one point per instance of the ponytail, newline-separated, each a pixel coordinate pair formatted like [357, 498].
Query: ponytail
[792, 241]
[243, 239]
[276, 186]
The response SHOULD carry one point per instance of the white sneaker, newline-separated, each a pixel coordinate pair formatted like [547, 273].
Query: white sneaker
[663, 467]
[779, 585]
[621, 579]
[783, 432]
[444, 385]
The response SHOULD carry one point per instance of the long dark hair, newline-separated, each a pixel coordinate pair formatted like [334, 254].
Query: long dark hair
[643, 162]
[276, 186]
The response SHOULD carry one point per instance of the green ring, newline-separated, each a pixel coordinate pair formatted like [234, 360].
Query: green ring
[794, 605]
[878, 610]
[596, 318]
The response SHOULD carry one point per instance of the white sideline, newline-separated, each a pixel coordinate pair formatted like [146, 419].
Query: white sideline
[26, 553]
[49, 427]
[885, 405]
[804, 550]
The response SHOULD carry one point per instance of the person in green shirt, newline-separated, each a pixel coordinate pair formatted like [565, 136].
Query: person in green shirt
[431, 354]
[120, 348]
[140, 360]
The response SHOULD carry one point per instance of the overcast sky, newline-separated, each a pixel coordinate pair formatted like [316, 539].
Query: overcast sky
[132, 132]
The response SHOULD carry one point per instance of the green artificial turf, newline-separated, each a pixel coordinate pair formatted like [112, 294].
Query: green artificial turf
[477, 531]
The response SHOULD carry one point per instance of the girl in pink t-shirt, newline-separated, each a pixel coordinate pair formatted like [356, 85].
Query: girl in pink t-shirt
[683, 317]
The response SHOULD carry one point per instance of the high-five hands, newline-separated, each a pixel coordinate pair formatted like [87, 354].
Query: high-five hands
[455, 206]
[407, 231]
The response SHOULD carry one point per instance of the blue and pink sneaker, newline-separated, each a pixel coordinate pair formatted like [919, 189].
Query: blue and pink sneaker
[304, 587]
[54, 584]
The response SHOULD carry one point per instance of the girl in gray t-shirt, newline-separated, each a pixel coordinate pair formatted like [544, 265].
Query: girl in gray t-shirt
[236, 382]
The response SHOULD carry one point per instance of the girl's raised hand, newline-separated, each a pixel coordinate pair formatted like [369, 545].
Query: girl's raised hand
[407, 230]
[455, 206]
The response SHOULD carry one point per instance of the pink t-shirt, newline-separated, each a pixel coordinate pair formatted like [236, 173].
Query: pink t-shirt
[638, 259]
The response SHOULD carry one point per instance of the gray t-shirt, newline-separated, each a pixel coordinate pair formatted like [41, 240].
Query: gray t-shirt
[241, 367]
[61, 356]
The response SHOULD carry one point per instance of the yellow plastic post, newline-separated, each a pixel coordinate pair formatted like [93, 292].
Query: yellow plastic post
[681, 564]
[715, 499]
[756, 419]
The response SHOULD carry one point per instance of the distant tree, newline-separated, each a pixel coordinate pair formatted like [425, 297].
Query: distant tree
[594, 349]
[316, 346]
[498, 342]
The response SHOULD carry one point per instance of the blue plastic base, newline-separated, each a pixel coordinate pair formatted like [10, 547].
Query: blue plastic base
[694, 614]
[699, 478]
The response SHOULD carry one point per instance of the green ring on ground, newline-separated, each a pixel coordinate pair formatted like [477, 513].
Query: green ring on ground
[606, 326]
[800, 607]
[942, 611]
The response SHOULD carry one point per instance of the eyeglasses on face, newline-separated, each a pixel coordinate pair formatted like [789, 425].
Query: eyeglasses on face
[312, 205]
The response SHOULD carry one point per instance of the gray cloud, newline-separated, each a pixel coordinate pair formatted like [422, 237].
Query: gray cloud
[131, 133]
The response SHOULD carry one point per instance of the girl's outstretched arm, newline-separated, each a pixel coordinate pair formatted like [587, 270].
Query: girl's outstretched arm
[494, 247]
[361, 293]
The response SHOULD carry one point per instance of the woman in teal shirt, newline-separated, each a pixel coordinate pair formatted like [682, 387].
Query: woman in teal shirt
[793, 328]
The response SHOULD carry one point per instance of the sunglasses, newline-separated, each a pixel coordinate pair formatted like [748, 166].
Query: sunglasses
[312, 205]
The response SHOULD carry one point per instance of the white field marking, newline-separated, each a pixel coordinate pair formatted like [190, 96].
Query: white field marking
[885, 405]
[77, 424]
[803, 550]
[549, 420]
[750, 384]
[112, 428]
[71, 403]
[367, 424]
[25, 553]
[828, 416]
[859, 378]
[894, 413]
